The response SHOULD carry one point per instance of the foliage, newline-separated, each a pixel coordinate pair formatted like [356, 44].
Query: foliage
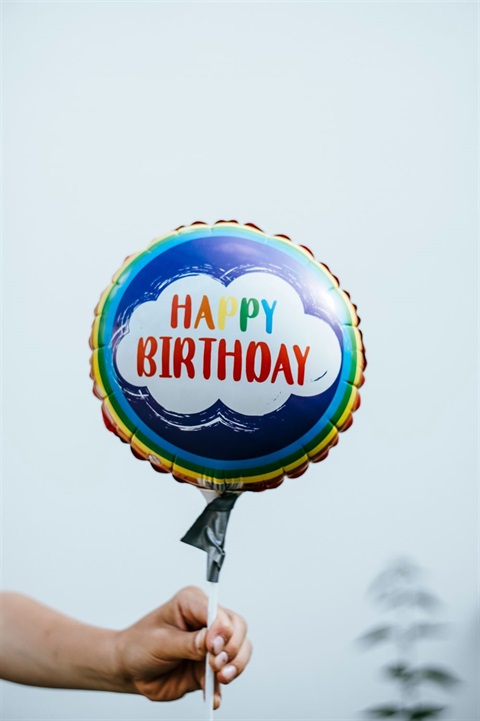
[398, 591]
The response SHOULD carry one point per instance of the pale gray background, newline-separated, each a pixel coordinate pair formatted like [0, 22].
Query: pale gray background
[350, 127]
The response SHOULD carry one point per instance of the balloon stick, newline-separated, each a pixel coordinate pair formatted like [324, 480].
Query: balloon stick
[208, 534]
[209, 672]
[212, 615]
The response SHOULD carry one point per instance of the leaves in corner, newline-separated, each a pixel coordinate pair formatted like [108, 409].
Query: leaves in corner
[438, 676]
[424, 712]
[427, 600]
[376, 635]
[383, 711]
[400, 672]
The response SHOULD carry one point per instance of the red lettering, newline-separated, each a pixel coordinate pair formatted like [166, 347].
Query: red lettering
[146, 349]
[180, 358]
[301, 360]
[207, 356]
[177, 355]
[165, 357]
[265, 362]
[187, 306]
[236, 354]
[282, 365]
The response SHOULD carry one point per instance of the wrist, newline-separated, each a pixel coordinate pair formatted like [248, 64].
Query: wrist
[113, 674]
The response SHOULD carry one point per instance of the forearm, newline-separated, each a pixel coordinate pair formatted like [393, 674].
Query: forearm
[41, 647]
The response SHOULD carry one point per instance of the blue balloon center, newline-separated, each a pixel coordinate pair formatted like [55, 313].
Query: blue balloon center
[220, 432]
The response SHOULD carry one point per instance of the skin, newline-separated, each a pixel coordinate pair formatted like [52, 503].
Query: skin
[162, 656]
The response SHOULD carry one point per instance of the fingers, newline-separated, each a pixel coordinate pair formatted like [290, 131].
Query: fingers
[221, 631]
[236, 651]
[226, 639]
[217, 695]
[189, 609]
[234, 669]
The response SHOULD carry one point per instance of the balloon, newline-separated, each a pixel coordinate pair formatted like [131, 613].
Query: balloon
[227, 357]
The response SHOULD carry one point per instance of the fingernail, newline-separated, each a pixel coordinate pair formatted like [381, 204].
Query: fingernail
[217, 701]
[221, 660]
[229, 672]
[200, 639]
[218, 645]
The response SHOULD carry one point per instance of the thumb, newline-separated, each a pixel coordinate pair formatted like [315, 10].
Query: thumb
[185, 645]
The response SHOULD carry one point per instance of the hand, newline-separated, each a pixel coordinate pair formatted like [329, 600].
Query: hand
[162, 656]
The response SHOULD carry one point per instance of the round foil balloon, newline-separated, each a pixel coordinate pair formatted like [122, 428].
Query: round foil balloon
[227, 357]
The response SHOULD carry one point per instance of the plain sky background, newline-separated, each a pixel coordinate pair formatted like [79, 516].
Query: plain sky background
[352, 128]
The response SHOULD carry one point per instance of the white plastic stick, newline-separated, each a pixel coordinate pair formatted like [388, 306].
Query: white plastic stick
[212, 615]
[209, 672]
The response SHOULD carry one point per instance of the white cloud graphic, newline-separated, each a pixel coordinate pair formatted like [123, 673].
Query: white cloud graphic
[301, 354]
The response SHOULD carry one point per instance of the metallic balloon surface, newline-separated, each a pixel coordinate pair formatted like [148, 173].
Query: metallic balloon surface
[227, 357]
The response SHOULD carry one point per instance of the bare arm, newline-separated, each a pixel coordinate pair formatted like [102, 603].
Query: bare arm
[41, 647]
[161, 656]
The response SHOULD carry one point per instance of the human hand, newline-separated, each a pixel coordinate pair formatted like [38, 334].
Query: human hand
[162, 656]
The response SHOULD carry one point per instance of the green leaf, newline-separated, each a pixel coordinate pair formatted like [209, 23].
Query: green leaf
[383, 711]
[376, 635]
[423, 712]
[426, 600]
[438, 675]
[400, 672]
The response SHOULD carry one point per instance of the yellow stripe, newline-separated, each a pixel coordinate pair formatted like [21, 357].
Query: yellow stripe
[120, 428]
[126, 263]
[95, 331]
[348, 410]
[96, 373]
[323, 444]
[103, 299]
[178, 468]
[147, 453]
[296, 464]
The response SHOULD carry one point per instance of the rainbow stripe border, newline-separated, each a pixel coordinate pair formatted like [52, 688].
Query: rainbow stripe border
[260, 473]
